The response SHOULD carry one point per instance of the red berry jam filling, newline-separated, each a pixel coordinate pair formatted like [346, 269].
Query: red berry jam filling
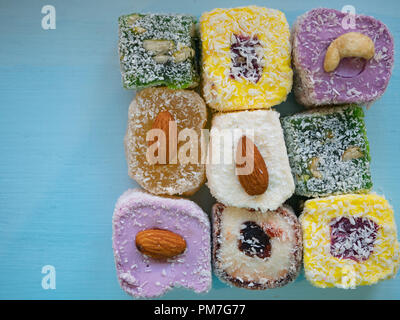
[353, 238]
[246, 58]
[254, 241]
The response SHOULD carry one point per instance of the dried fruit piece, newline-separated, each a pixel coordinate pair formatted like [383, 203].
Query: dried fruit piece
[160, 244]
[246, 57]
[254, 241]
[352, 153]
[161, 58]
[157, 47]
[162, 122]
[183, 54]
[353, 237]
[254, 182]
[314, 168]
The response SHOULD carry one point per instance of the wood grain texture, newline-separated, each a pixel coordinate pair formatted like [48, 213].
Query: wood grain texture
[63, 115]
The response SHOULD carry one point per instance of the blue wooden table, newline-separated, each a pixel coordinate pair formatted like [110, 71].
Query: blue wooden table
[63, 115]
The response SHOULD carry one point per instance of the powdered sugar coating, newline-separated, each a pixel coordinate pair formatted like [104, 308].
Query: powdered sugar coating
[142, 276]
[268, 137]
[235, 267]
[355, 80]
[321, 139]
[189, 111]
[322, 269]
[218, 29]
[138, 67]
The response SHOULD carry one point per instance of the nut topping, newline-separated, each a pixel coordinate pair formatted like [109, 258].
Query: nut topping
[157, 47]
[139, 30]
[254, 182]
[351, 44]
[133, 18]
[313, 167]
[162, 122]
[352, 153]
[161, 58]
[183, 54]
[160, 244]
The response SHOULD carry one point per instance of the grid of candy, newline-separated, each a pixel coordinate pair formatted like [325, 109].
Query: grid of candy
[246, 65]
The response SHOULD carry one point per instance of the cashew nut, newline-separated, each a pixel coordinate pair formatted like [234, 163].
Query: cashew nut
[351, 44]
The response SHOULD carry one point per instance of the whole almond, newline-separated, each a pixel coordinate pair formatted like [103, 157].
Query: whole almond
[160, 244]
[162, 122]
[256, 181]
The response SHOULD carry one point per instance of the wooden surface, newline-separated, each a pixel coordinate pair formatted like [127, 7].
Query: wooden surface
[63, 115]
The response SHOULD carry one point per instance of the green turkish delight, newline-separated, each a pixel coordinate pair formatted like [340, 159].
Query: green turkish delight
[157, 50]
[328, 151]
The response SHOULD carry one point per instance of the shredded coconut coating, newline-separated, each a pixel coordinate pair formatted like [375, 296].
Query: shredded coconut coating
[145, 277]
[354, 81]
[189, 111]
[324, 270]
[223, 92]
[139, 69]
[320, 143]
[236, 268]
[223, 182]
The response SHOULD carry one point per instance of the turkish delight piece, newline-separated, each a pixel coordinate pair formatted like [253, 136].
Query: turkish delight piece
[166, 172]
[256, 250]
[363, 54]
[160, 243]
[268, 182]
[157, 49]
[328, 151]
[349, 241]
[245, 58]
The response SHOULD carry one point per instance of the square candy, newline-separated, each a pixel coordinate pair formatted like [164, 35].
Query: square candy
[355, 79]
[263, 128]
[328, 151]
[157, 49]
[186, 110]
[146, 229]
[245, 57]
[256, 250]
[349, 240]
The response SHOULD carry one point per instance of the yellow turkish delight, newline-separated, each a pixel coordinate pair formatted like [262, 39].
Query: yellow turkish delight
[245, 58]
[349, 240]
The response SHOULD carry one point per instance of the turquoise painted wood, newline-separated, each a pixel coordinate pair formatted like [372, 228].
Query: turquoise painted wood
[63, 115]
